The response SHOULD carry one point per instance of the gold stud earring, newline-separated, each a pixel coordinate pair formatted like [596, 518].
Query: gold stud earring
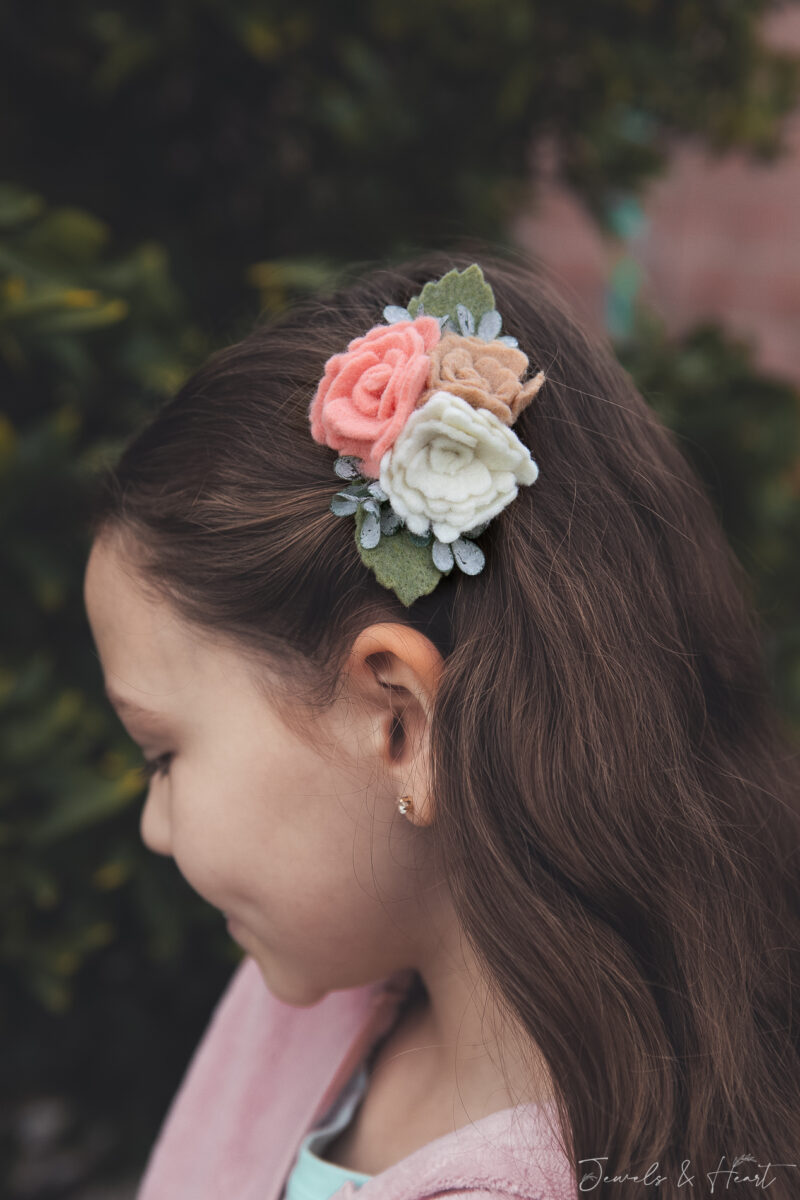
[404, 804]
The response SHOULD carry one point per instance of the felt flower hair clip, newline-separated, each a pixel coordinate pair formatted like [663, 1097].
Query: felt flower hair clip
[420, 410]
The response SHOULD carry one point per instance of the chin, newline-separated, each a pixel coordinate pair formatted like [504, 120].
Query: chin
[296, 992]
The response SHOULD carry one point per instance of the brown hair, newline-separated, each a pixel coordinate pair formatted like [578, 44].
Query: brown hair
[616, 801]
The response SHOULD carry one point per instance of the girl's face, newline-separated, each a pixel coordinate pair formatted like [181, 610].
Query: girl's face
[300, 845]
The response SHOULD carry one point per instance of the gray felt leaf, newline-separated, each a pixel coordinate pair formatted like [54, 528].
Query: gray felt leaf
[390, 522]
[468, 556]
[359, 490]
[448, 326]
[420, 309]
[370, 531]
[371, 506]
[393, 313]
[442, 555]
[476, 530]
[343, 506]
[509, 341]
[377, 491]
[490, 325]
[348, 467]
[419, 539]
[465, 320]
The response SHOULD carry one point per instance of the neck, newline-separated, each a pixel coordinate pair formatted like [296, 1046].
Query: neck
[451, 1037]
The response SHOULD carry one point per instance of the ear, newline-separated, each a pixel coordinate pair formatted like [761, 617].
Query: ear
[397, 669]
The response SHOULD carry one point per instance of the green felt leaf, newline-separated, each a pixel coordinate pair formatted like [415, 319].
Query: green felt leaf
[442, 297]
[400, 565]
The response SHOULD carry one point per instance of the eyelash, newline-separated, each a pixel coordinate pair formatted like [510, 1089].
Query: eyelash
[155, 766]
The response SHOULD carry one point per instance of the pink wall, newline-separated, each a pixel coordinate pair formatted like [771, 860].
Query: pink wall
[722, 240]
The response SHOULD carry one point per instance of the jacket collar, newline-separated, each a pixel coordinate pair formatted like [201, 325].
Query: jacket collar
[265, 1072]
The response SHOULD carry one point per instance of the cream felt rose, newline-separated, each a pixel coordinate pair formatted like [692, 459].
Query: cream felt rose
[453, 467]
[367, 392]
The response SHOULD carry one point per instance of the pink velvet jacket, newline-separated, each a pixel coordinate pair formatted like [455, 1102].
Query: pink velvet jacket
[264, 1072]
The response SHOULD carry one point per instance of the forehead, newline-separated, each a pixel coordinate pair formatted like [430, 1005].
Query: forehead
[143, 644]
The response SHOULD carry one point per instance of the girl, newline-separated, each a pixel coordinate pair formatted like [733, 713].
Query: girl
[495, 802]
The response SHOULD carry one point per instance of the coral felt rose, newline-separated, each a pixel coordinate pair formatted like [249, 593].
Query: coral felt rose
[485, 374]
[453, 467]
[367, 392]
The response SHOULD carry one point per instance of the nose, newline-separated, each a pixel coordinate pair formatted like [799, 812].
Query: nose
[154, 824]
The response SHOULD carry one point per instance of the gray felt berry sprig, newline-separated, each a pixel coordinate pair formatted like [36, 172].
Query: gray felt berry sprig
[400, 566]
[421, 410]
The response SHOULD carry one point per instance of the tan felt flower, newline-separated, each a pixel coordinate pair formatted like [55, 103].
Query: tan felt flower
[485, 374]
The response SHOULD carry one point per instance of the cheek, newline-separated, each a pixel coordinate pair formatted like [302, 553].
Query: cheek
[320, 895]
[295, 852]
[326, 887]
[204, 825]
[260, 830]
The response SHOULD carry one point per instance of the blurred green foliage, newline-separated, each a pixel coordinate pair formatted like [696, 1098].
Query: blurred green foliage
[171, 170]
[269, 128]
[88, 343]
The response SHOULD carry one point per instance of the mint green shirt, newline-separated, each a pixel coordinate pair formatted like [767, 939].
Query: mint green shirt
[312, 1177]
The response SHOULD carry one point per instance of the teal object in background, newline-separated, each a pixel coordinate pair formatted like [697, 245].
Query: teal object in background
[623, 287]
[628, 221]
[627, 217]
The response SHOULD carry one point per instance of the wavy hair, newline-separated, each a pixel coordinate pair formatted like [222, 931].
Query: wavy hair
[616, 800]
